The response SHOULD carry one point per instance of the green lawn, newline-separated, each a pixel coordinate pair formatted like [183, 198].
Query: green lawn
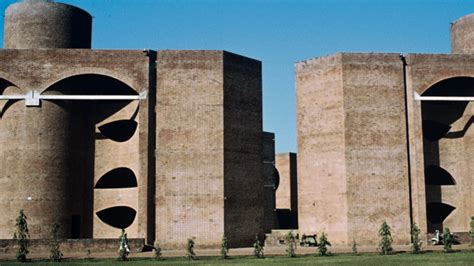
[429, 258]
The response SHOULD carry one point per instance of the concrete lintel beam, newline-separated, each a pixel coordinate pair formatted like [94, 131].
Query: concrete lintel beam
[32, 98]
[443, 98]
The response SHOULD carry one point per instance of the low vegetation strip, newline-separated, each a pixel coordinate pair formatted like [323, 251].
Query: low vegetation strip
[427, 258]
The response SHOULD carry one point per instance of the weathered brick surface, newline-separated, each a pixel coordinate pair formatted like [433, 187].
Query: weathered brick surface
[243, 183]
[352, 158]
[209, 148]
[321, 148]
[190, 148]
[46, 24]
[287, 192]
[376, 146]
[462, 35]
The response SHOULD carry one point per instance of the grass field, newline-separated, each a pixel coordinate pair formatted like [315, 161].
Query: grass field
[428, 258]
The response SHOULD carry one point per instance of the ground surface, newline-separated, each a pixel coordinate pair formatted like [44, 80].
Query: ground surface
[433, 255]
[427, 258]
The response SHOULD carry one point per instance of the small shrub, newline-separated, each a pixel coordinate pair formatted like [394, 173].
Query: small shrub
[190, 250]
[88, 254]
[124, 249]
[416, 242]
[323, 245]
[448, 240]
[354, 247]
[385, 244]
[54, 249]
[258, 248]
[21, 235]
[157, 251]
[224, 247]
[290, 244]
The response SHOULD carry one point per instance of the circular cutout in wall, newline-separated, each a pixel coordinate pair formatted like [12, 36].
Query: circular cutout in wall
[120, 130]
[121, 177]
[119, 217]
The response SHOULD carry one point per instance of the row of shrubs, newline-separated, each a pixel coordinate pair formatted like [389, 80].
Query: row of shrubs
[21, 235]
[385, 242]
[384, 246]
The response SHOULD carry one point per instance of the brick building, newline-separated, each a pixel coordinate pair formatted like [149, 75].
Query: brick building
[385, 137]
[151, 141]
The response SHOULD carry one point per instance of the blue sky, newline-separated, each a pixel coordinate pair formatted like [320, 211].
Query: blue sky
[277, 32]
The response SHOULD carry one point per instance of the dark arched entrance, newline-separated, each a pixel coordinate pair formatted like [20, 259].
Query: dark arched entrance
[86, 114]
[448, 150]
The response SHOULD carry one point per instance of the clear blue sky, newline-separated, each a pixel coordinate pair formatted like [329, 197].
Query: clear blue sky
[277, 32]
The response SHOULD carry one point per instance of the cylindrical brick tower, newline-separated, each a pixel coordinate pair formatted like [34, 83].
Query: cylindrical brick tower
[37, 168]
[462, 35]
[34, 24]
[43, 150]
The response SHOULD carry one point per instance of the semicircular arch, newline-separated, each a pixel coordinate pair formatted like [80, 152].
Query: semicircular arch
[91, 71]
[427, 85]
[91, 84]
[13, 81]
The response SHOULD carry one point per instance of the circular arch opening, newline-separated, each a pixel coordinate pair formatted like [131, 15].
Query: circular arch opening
[91, 84]
[454, 86]
[119, 216]
[121, 177]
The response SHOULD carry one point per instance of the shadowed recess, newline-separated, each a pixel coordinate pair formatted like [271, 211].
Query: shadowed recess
[455, 86]
[92, 84]
[120, 130]
[121, 177]
[118, 217]
[276, 177]
[6, 88]
[433, 130]
[436, 175]
[286, 219]
[4, 84]
[437, 212]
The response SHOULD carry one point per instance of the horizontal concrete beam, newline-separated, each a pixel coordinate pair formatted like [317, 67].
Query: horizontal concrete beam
[443, 98]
